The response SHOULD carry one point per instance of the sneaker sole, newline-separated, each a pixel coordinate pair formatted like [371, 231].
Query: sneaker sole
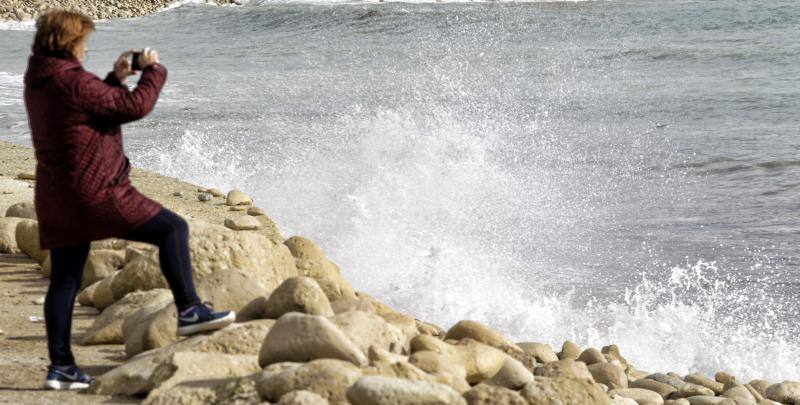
[207, 326]
[62, 385]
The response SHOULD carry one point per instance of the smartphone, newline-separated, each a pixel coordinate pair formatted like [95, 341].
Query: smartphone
[136, 57]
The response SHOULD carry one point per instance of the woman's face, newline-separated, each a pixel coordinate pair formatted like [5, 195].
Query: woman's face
[82, 49]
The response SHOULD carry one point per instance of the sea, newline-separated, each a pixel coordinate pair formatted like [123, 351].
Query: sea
[622, 172]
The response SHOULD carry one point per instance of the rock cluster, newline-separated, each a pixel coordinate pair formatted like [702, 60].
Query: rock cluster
[304, 335]
[23, 10]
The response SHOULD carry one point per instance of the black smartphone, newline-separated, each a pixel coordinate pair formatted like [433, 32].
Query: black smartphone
[135, 65]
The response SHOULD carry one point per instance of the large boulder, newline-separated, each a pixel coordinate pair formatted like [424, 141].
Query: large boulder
[107, 328]
[565, 368]
[8, 235]
[592, 356]
[512, 375]
[103, 295]
[480, 361]
[548, 391]
[86, 297]
[230, 290]
[299, 337]
[297, 294]
[237, 197]
[311, 262]
[24, 209]
[142, 272]
[150, 328]
[484, 394]
[787, 392]
[377, 390]
[611, 352]
[479, 332]
[541, 351]
[366, 329]
[328, 378]
[27, 236]
[193, 366]
[215, 247]
[100, 264]
[134, 377]
[569, 350]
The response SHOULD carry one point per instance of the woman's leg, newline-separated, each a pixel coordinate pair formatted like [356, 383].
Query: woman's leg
[65, 281]
[170, 233]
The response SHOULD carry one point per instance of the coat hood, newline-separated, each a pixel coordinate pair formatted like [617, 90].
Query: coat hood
[43, 67]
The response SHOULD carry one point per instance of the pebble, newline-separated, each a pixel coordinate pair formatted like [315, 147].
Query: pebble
[204, 197]
[215, 192]
[237, 197]
[39, 301]
[177, 194]
[26, 176]
[255, 211]
[238, 208]
[243, 223]
[2, 332]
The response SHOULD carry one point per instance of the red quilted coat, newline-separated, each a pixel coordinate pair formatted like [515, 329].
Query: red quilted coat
[82, 188]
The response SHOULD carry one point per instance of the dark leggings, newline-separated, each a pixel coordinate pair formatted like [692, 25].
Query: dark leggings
[166, 230]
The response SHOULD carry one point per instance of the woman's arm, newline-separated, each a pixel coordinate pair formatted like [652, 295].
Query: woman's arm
[114, 102]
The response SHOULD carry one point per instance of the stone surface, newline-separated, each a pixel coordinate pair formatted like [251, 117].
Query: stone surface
[27, 236]
[24, 209]
[641, 396]
[705, 400]
[237, 197]
[193, 366]
[479, 332]
[700, 379]
[691, 390]
[299, 337]
[480, 361]
[658, 387]
[377, 390]
[612, 375]
[311, 262]
[612, 352]
[141, 272]
[541, 351]
[366, 329]
[328, 378]
[512, 375]
[297, 294]
[103, 295]
[86, 297]
[675, 382]
[484, 394]
[8, 235]
[565, 368]
[150, 328]
[255, 211]
[552, 391]
[100, 264]
[569, 350]
[107, 328]
[302, 397]
[242, 223]
[442, 367]
[592, 356]
[230, 290]
[787, 392]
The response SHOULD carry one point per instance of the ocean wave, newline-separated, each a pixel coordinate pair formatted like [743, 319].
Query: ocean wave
[11, 87]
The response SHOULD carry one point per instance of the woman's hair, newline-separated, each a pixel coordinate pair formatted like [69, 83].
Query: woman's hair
[61, 31]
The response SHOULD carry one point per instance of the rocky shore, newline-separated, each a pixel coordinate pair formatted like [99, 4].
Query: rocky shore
[304, 334]
[24, 10]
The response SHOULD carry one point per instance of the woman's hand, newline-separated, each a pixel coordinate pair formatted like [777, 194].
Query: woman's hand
[122, 67]
[149, 57]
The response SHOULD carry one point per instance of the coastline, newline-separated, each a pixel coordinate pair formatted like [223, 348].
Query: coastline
[21, 10]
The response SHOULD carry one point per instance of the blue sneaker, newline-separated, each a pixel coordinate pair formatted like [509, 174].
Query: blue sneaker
[202, 318]
[67, 378]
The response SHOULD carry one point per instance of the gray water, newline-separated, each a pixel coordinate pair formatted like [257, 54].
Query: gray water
[609, 172]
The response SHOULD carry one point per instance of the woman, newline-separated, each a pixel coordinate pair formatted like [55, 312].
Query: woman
[82, 190]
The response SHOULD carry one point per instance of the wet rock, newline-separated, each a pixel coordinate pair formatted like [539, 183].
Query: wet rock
[376, 390]
[27, 237]
[566, 368]
[548, 391]
[609, 374]
[24, 209]
[242, 223]
[107, 328]
[328, 378]
[298, 337]
[237, 197]
[641, 396]
[541, 351]
[479, 332]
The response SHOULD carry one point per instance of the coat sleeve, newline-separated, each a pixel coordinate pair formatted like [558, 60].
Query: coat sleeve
[111, 101]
